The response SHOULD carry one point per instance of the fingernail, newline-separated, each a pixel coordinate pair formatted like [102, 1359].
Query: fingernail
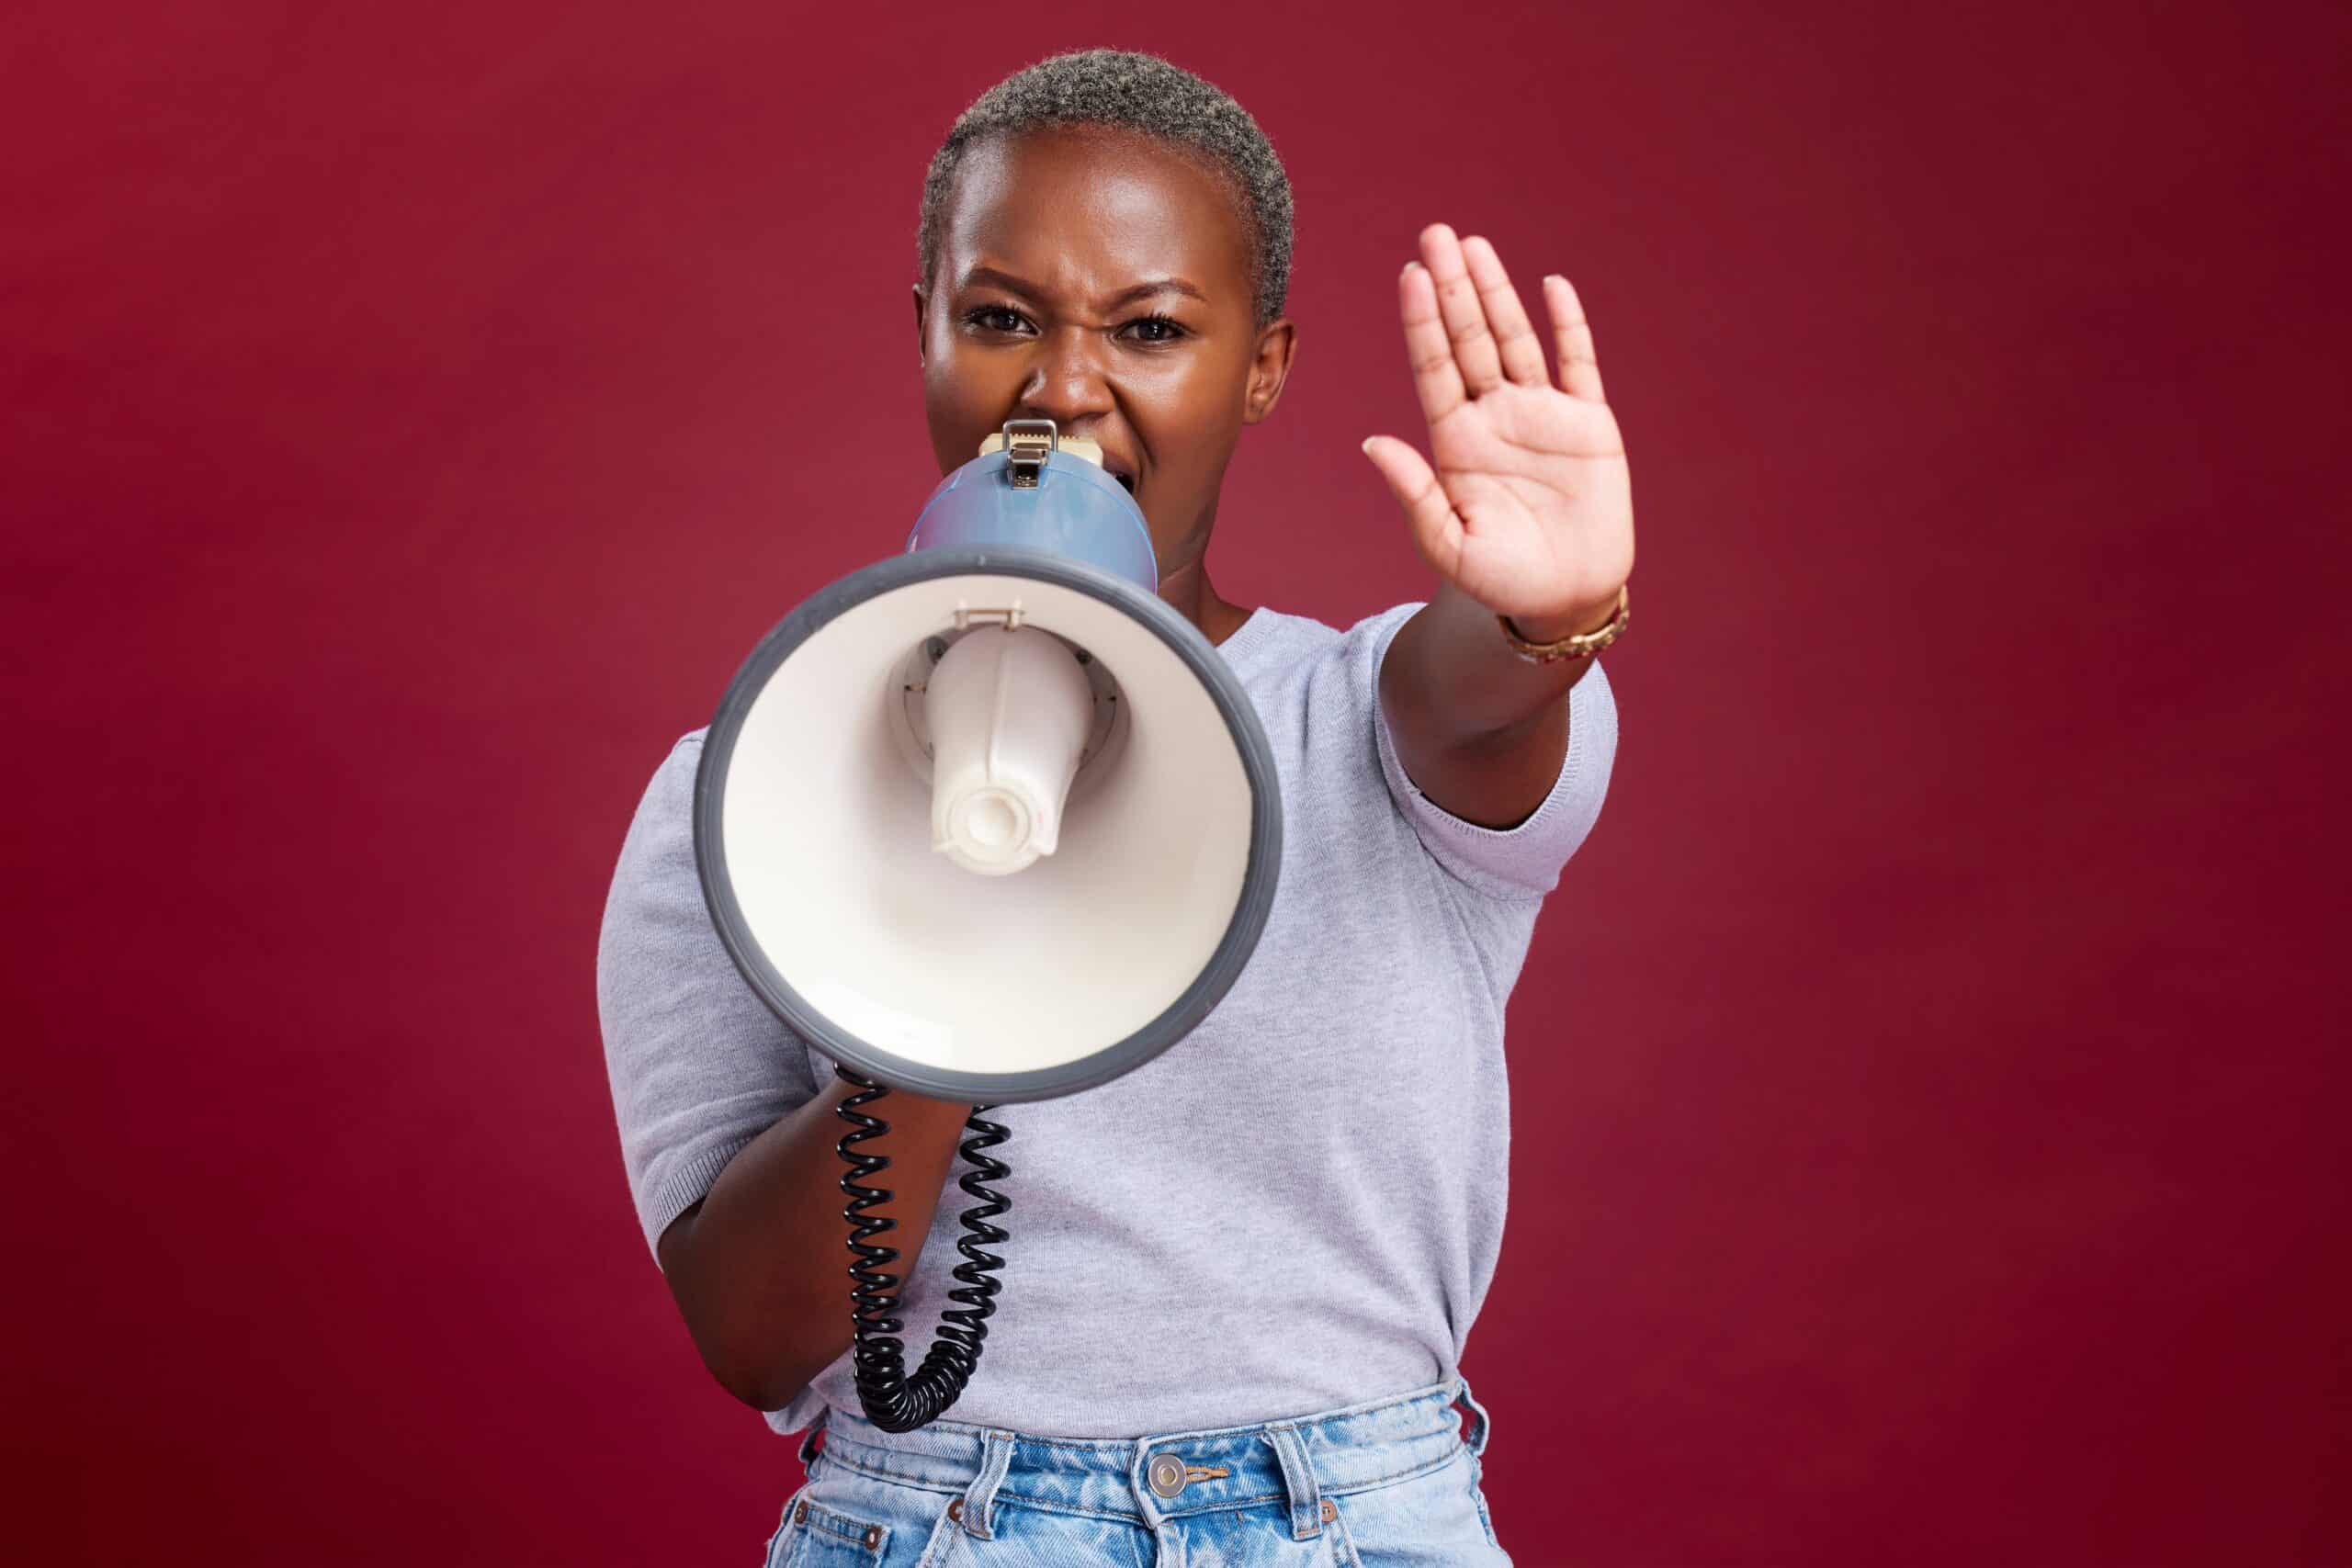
[1367, 446]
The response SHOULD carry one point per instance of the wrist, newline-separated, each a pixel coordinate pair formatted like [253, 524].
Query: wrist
[1578, 622]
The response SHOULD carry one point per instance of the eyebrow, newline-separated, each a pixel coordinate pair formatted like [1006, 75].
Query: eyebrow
[1028, 290]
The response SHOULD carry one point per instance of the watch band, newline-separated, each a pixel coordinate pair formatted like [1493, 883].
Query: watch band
[1583, 645]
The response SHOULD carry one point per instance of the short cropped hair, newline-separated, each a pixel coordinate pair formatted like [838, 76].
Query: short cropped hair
[1138, 93]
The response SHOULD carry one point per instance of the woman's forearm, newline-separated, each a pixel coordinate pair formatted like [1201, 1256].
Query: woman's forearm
[760, 1267]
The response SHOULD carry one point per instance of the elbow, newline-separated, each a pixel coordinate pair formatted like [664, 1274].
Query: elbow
[754, 1369]
[762, 1370]
[761, 1361]
[764, 1388]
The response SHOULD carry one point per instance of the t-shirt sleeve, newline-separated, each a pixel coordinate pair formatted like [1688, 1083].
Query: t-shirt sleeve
[699, 1065]
[1524, 861]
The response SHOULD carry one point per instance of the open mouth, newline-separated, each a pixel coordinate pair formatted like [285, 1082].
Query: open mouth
[1121, 468]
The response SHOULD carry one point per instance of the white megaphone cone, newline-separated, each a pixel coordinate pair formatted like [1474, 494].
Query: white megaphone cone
[990, 820]
[1009, 711]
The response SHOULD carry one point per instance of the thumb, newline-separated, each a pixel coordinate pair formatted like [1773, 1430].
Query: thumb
[1436, 530]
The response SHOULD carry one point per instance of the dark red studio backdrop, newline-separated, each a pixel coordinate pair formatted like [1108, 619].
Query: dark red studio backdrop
[1929, 1094]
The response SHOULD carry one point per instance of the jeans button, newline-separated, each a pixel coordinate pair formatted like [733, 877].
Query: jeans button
[1167, 1474]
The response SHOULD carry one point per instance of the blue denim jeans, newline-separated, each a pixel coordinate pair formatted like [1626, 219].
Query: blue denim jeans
[1392, 1483]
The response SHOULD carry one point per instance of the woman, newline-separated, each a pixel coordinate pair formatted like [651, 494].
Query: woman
[1241, 1276]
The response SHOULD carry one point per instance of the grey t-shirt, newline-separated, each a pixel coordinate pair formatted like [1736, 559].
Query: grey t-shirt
[1296, 1207]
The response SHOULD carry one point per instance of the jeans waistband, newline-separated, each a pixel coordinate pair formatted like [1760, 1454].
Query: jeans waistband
[1170, 1475]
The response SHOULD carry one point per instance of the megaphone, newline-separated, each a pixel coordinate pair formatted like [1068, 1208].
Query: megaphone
[988, 821]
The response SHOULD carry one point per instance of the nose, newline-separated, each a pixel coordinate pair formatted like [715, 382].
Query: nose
[1068, 383]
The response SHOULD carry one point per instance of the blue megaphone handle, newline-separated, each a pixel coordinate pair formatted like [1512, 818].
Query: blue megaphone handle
[1076, 511]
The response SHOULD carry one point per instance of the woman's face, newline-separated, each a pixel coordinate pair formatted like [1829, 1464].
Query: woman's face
[1057, 252]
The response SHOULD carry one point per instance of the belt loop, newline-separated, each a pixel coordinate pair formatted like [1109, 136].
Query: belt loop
[980, 1497]
[1299, 1480]
[808, 1447]
[1478, 1421]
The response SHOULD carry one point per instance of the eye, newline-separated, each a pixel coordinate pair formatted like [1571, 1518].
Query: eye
[1153, 330]
[982, 317]
[1171, 329]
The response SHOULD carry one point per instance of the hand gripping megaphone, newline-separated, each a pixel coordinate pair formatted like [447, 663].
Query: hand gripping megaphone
[988, 821]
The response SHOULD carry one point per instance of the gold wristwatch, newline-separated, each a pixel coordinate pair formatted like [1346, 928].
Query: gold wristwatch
[1583, 644]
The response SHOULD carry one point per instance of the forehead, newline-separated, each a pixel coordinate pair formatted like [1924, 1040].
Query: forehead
[1087, 210]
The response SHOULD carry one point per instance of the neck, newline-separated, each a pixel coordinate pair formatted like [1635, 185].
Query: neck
[1189, 590]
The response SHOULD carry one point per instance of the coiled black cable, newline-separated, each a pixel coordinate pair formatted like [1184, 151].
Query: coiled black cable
[893, 1401]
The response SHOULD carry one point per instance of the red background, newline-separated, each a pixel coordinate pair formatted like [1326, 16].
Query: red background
[1930, 1085]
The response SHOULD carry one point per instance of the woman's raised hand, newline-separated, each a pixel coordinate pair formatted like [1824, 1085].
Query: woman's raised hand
[1529, 507]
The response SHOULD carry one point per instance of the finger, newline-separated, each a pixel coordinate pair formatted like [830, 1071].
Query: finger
[1572, 337]
[1436, 530]
[1435, 375]
[1515, 339]
[1466, 318]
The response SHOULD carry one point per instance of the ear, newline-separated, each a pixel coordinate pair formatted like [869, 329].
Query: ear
[920, 347]
[1269, 369]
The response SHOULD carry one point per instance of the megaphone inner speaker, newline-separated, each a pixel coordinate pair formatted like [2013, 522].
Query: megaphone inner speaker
[910, 719]
[815, 836]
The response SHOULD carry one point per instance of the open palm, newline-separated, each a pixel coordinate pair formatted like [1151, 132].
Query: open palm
[1525, 502]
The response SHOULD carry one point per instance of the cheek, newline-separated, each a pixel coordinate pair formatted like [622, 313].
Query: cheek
[955, 380]
[962, 400]
[1188, 416]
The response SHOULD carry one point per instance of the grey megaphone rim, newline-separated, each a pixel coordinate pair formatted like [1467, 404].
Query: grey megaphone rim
[1181, 1015]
